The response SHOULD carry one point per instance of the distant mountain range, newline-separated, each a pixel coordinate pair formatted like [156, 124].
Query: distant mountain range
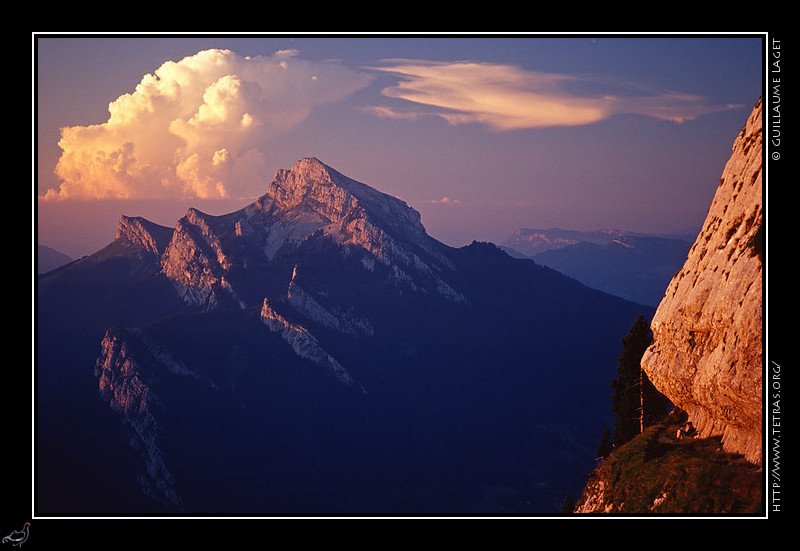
[634, 266]
[49, 259]
[316, 353]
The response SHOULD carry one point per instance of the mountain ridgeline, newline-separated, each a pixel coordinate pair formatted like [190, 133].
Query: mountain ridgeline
[316, 353]
[634, 266]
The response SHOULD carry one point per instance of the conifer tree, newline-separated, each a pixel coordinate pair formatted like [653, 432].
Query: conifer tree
[568, 505]
[604, 448]
[628, 398]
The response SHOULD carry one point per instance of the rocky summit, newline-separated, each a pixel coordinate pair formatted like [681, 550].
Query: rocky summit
[316, 352]
[310, 198]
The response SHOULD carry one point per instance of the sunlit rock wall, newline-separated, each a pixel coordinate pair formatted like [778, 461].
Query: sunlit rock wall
[707, 350]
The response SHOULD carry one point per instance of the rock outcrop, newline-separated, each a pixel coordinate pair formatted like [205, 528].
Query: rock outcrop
[196, 261]
[123, 386]
[707, 351]
[142, 233]
[303, 342]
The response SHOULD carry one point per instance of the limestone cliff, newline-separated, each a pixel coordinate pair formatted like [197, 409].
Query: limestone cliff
[132, 369]
[124, 387]
[707, 351]
[302, 342]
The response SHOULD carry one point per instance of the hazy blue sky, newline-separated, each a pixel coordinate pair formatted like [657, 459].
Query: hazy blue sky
[482, 134]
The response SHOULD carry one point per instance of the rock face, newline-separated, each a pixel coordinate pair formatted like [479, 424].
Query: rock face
[303, 342]
[123, 385]
[142, 233]
[707, 351]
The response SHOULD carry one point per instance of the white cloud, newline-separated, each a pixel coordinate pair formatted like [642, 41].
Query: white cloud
[505, 97]
[197, 127]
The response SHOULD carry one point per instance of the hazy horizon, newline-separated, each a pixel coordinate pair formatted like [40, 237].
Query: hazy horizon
[483, 135]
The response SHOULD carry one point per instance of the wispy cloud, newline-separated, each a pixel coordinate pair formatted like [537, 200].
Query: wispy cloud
[505, 97]
[197, 127]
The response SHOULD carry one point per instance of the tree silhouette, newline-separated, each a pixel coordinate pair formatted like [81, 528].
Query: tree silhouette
[604, 448]
[568, 505]
[635, 402]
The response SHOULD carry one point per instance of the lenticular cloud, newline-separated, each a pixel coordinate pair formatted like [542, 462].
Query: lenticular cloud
[505, 97]
[195, 128]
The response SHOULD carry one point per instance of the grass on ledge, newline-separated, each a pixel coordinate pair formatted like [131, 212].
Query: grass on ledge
[655, 473]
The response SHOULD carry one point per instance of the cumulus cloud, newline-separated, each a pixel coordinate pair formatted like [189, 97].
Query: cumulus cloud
[505, 97]
[196, 127]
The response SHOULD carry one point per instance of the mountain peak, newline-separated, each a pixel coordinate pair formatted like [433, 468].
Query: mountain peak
[308, 200]
[311, 182]
[313, 195]
[313, 168]
[312, 186]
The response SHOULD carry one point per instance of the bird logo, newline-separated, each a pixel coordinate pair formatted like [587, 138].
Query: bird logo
[18, 537]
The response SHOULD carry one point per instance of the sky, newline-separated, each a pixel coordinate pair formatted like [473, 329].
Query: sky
[483, 134]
